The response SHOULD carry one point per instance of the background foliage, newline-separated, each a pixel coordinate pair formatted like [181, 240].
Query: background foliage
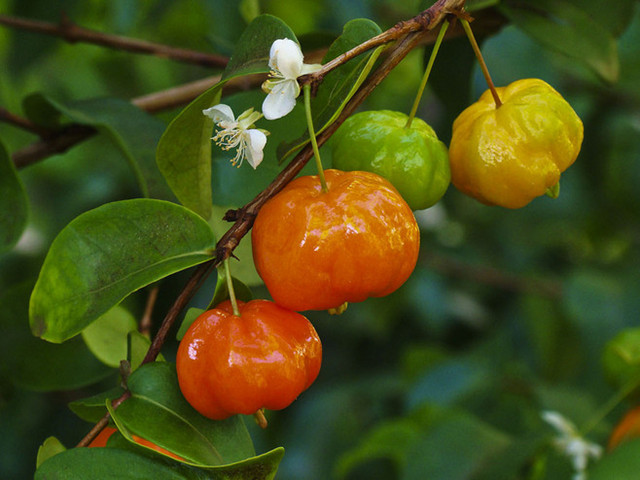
[507, 314]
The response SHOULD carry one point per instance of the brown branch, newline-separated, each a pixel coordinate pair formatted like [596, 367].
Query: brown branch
[73, 33]
[59, 141]
[17, 121]
[247, 214]
[146, 320]
[424, 21]
[494, 277]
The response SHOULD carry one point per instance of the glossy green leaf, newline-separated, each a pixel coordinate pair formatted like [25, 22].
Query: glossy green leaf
[561, 26]
[137, 347]
[49, 448]
[251, 54]
[14, 205]
[107, 336]
[111, 464]
[93, 408]
[34, 364]
[109, 252]
[134, 132]
[118, 463]
[184, 153]
[158, 412]
[340, 85]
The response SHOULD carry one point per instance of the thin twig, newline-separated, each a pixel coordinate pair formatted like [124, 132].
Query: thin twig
[73, 33]
[481, 274]
[145, 322]
[11, 118]
[247, 214]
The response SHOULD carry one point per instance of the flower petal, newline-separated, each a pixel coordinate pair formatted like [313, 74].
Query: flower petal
[286, 57]
[281, 100]
[256, 140]
[310, 68]
[220, 113]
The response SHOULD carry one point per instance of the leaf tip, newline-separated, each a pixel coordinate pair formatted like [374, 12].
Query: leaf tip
[38, 326]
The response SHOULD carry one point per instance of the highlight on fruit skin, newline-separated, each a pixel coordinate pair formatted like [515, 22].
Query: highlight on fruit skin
[509, 155]
[412, 159]
[264, 358]
[317, 250]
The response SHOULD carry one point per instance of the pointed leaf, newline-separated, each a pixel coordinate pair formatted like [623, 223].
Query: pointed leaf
[50, 447]
[341, 84]
[109, 252]
[118, 463]
[184, 153]
[158, 412]
[93, 408]
[561, 26]
[134, 132]
[14, 205]
[137, 347]
[107, 336]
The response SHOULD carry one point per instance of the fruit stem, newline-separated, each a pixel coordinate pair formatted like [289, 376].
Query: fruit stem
[483, 65]
[232, 292]
[425, 77]
[261, 420]
[312, 135]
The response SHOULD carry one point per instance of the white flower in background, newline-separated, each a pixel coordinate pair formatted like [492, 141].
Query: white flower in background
[286, 63]
[237, 133]
[570, 443]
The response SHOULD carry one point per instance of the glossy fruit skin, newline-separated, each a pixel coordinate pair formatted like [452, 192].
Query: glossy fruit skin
[510, 155]
[264, 358]
[412, 159]
[102, 438]
[316, 250]
[627, 429]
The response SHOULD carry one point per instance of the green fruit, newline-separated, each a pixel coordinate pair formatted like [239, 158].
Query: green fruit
[621, 358]
[412, 159]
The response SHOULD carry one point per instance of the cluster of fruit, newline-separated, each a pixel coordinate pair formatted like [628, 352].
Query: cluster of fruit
[319, 248]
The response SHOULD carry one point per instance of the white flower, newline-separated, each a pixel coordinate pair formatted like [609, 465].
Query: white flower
[572, 444]
[236, 133]
[286, 63]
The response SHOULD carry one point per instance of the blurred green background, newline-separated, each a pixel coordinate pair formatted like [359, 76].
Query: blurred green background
[506, 315]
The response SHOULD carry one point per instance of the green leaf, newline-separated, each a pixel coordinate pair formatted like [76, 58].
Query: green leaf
[341, 84]
[251, 54]
[14, 204]
[107, 336]
[34, 364]
[158, 412]
[134, 132]
[184, 153]
[51, 447]
[189, 318]
[111, 464]
[93, 408]
[118, 463]
[137, 347]
[109, 252]
[623, 463]
[561, 26]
